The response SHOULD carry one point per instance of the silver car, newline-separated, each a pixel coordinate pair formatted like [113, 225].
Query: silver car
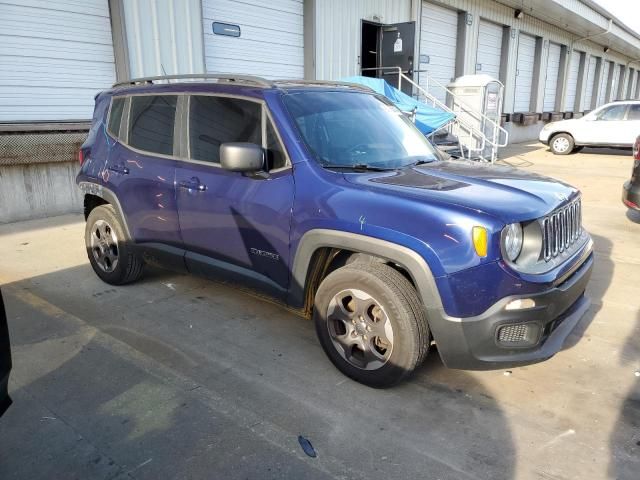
[615, 124]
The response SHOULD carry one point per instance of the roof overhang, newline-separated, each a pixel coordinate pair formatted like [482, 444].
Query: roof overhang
[583, 18]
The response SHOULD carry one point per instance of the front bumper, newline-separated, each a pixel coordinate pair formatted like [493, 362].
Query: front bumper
[473, 343]
[544, 135]
[631, 195]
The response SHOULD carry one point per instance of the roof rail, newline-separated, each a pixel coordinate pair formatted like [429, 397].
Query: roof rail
[262, 82]
[320, 83]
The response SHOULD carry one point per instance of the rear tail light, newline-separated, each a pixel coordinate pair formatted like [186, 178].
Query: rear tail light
[636, 149]
[81, 156]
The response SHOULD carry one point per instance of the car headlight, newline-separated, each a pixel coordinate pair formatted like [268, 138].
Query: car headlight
[547, 126]
[512, 240]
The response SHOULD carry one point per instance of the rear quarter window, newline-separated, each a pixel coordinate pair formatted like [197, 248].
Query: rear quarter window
[115, 116]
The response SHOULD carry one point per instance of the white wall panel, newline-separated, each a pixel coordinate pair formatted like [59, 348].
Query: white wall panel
[271, 41]
[602, 94]
[589, 83]
[163, 37]
[614, 83]
[338, 32]
[489, 48]
[551, 80]
[572, 81]
[631, 79]
[438, 40]
[524, 75]
[54, 57]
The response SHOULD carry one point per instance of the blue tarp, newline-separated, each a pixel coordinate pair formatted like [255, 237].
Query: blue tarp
[428, 118]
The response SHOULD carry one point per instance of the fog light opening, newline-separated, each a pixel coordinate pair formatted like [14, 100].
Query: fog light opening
[521, 304]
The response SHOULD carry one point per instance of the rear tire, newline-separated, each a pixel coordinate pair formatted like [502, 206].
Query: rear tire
[371, 324]
[110, 254]
[562, 144]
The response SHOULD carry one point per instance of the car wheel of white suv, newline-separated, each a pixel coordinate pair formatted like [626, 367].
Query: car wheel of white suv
[562, 144]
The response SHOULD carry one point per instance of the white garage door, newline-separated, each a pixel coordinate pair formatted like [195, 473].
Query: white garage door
[591, 77]
[637, 86]
[524, 72]
[615, 80]
[53, 58]
[630, 82]
[572, 81]
[551, 81]
[602, 94]
[438, 40]
[489, 49]
[270, 43]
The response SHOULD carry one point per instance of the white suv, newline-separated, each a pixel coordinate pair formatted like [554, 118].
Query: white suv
[615, 124]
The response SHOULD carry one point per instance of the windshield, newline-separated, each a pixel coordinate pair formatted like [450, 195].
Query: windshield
[357, 129]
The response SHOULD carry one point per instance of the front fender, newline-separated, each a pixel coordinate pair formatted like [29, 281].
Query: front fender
[412, 261]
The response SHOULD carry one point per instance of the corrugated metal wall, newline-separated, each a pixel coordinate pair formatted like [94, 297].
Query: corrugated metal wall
[54, 57]
[503, 15]
[163, 36]
[271, 43]
[337, 35]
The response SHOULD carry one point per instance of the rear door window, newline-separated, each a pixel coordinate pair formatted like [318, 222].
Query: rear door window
[634, 112]
[151, 123]
[115, 116]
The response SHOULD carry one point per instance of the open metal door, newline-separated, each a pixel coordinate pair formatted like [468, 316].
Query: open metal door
[397, 48]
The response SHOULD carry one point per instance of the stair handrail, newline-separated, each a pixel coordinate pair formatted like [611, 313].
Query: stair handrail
[471, 130]
[469, 109]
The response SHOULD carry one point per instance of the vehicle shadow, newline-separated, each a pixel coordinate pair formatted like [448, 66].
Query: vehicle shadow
[624, 442]
[624, 152]
[156, 382]
[601, 276]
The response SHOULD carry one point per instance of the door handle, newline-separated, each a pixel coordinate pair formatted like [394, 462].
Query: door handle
[119, 169]
[193, 184]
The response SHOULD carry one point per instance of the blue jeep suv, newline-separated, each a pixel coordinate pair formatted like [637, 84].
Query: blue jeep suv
[326, 197]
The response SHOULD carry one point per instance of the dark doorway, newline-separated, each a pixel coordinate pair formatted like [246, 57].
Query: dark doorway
[370, 48]
[385, 46]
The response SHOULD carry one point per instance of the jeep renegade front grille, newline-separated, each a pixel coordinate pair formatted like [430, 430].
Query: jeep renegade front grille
[561, 229]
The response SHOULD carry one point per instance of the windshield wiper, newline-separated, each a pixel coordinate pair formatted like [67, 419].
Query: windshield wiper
[420, 162]
[358, 166]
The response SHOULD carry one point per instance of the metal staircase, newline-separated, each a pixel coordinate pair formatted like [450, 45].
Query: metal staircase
[478, 136]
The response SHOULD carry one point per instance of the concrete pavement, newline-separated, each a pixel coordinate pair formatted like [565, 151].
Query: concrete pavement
[178, 377]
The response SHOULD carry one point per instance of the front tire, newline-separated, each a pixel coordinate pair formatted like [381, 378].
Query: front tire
[562, 144]
[371, 324]
[110, 254]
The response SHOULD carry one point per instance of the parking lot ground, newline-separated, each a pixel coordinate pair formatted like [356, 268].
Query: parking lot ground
[178, 377]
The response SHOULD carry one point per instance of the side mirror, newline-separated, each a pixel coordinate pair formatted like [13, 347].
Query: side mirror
[241, 157]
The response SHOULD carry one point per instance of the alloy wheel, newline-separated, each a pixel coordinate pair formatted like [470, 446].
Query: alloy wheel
[104, 246]
[360, 329]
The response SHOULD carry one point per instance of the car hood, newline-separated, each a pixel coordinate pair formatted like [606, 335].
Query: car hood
[506, 193]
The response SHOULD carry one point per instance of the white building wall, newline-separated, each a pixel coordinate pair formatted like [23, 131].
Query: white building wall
[338, 31]
[163, 37]
[503, 15]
